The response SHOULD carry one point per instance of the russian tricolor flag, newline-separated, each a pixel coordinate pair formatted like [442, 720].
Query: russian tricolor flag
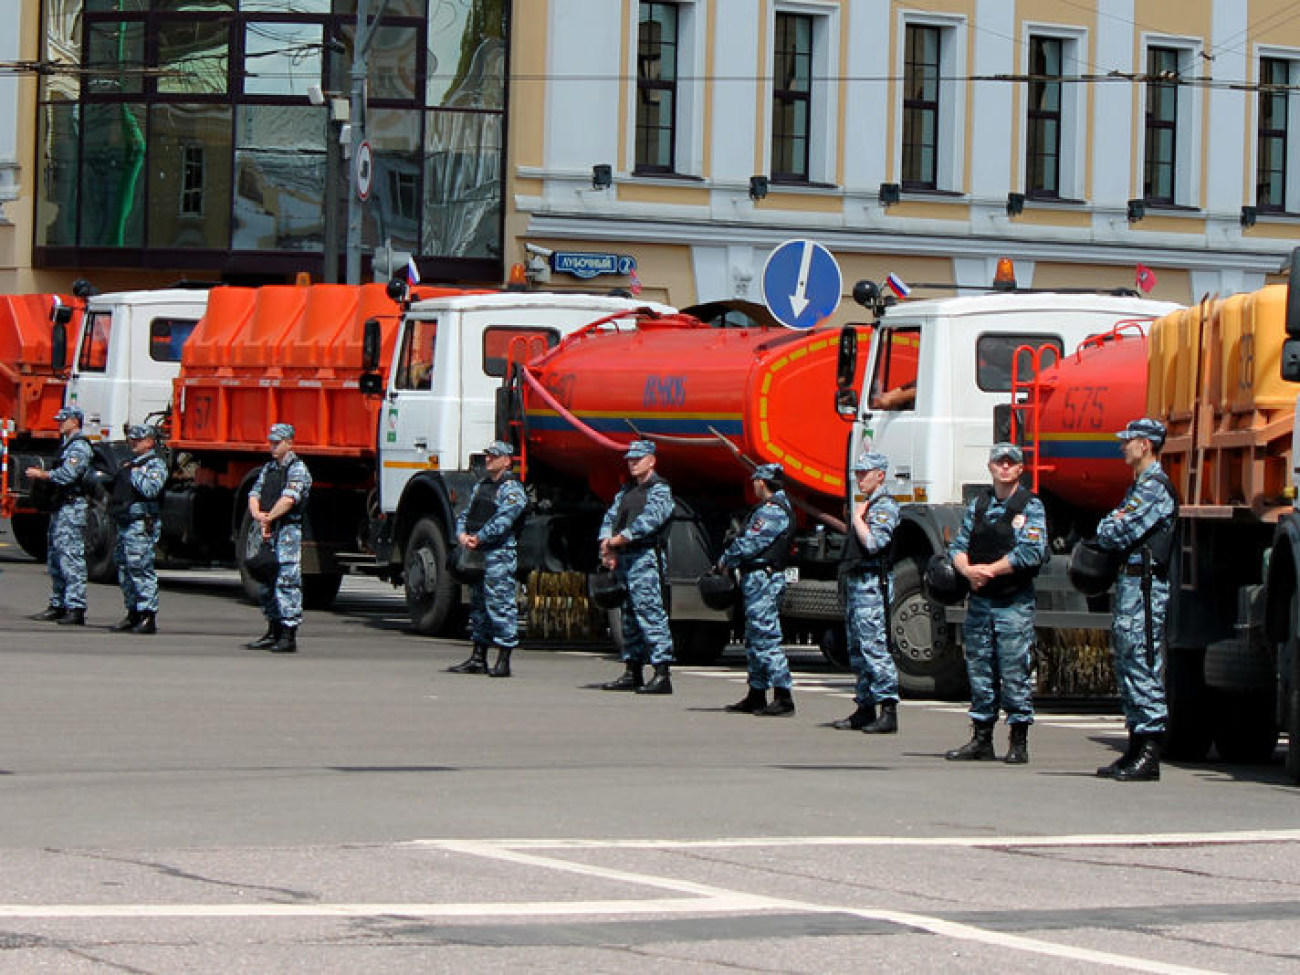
[897, 285]
[412, 272]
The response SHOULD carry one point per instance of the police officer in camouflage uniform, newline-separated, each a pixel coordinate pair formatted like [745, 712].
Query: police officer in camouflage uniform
[760, 553]
[1143, 528]
[865, 574]
[70, 478]
[491, 523]
[631, 537]
[1000, 547]
[134, 505]
[277, 503]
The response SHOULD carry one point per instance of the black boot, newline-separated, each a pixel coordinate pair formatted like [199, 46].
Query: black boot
[51, 614]
[859, 719]
[782, 704]
[1130, 753]
[475, 664]
[1145, 766]
[131, 618]
[147, 623]
[72, 617]
[660, 683]
[502, 667]
[887, 723]
[268, 639]
[288, 642]
[980, 746]
[752, 701]
[629, 680]
[1018, 749]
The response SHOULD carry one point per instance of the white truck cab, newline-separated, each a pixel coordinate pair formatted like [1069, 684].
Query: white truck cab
[128, 353]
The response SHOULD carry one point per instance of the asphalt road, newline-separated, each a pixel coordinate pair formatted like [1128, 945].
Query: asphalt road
[178, 803]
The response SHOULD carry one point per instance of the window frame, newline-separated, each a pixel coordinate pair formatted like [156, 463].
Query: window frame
[950, 138]
[645, 85]
[548, 333]
[801, 171]
[1290, 109]
[1185, 164]
[185, 324]
[1015, 340]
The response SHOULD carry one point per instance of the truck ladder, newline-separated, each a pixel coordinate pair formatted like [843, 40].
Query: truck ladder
[1027, 405]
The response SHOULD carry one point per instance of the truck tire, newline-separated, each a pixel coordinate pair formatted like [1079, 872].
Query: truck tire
[1190, 730]
[699, 642]
[930, 663]
[431, 593]
[320, 589]
[834, 645]
[1293, 715]
[32, 533]
[101, 539]
[246, 545]
[1245, 727]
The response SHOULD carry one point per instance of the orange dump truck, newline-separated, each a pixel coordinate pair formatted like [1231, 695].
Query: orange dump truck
[1223, 376]
[30, 394]
[277, 354]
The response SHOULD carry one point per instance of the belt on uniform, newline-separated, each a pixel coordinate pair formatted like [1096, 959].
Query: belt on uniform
[1134, 571]
[750, 570]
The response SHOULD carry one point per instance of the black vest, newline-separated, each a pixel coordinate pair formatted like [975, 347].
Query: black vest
[856, 557]
[483, 505]
[1160, 539]
[990, 541]
[125, 493]
[63, 493]
[274, 478]
[777, 554]
[630, 507]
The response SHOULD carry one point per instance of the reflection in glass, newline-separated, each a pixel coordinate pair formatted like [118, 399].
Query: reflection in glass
[194, 56]
[462, 184]
[281, 59]
[287, 6]
[63, 20]
[279, 177]
[394, 209]
[392, 64]
[116, 6]
[112, 175]
[189, 176]
[466, 54]
[115, 64]
[197, 6]
[56, 205]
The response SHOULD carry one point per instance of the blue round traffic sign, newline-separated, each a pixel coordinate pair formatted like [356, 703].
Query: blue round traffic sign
[801, 283]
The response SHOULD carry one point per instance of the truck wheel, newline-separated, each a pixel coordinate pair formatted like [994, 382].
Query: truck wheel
[1246, 729]
[1293, 715]
[246, 546]
[930, 664]
[1190, 730]
[430, 591]
[699, 642]
[32, 533]
[834, 645]
[320, 588]
[101, 539]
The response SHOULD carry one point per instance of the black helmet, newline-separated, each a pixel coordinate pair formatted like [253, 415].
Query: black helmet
[943, 583]
[605, 589]
[466, 565]
[717, 589]
[1092, 569]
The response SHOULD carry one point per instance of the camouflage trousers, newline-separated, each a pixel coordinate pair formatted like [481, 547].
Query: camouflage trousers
[66, 562]
[869, 656]
[1139, 673]
[999, 640]
[137, 541]
[768, 666]
[646, 636]
[494, 602]
[282, 601]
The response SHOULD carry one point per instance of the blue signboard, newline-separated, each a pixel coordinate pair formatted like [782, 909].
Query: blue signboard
[801, 283]
[582, 264]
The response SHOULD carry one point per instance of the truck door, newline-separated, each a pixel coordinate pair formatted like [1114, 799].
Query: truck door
[102, 354]
[407, 425]
[890, 406]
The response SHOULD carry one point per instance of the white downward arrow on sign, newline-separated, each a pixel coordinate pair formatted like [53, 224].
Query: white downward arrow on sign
[799, 300]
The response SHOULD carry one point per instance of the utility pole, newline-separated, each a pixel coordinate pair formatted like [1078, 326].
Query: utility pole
[365, 36]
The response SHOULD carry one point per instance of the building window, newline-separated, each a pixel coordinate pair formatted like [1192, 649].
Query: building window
[192, 181]
[1274, 107]
[921, 109]
[656, 88]
[1043, 149]
[1158, 185]
[791, 97]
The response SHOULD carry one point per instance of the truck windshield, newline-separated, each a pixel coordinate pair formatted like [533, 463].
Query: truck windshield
[93, 356]
[893, 386]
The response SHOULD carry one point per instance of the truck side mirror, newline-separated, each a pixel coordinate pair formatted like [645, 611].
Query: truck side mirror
[59, 343]
[1293, 296]
[846, 370]
[370, 345]
[1291, 360]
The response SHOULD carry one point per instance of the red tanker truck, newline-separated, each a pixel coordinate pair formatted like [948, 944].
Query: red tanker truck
[1223, 376]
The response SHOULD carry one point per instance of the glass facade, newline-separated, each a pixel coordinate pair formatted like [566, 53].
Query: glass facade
[181, 134]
